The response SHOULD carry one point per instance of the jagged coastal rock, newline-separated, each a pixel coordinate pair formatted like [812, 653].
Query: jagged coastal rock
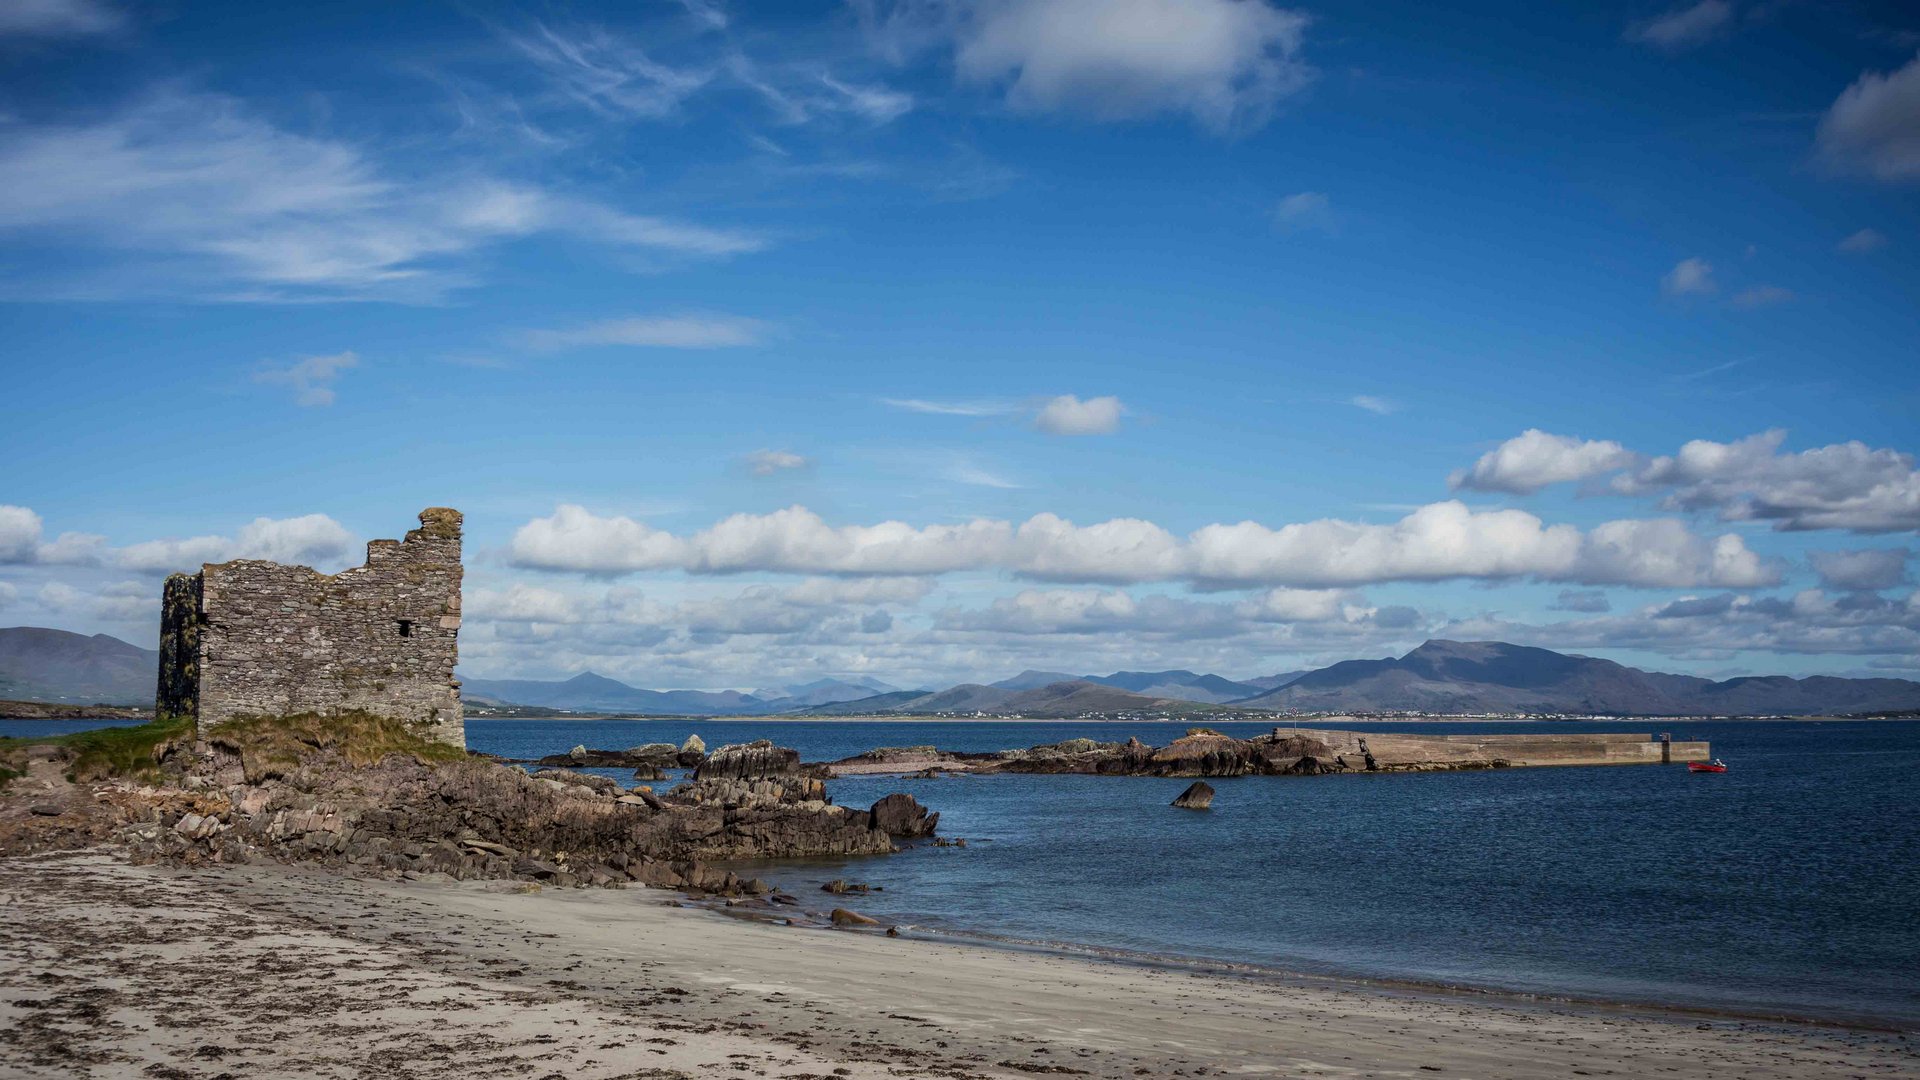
[363, 795]
[1198, 796]
[661, 755]
[749, 761]
[903, 816]
[654, 756]
[692, 751]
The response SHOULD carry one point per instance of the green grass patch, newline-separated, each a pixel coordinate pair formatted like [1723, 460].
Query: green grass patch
[99, 753]
[267, 745]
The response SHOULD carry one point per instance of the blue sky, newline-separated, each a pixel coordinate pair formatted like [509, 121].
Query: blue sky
[683, 304]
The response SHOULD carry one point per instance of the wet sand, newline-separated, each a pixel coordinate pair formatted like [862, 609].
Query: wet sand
[112, 970]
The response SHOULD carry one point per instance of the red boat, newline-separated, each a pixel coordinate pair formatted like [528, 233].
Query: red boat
[1716, 765]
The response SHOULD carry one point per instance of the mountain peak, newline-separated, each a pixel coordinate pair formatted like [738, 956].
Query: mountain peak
[589, 680]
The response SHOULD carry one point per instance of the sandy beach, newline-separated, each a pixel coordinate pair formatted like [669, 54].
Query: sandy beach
[113, 970]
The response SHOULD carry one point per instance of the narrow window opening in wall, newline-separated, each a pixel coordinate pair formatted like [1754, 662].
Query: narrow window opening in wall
[406, 627]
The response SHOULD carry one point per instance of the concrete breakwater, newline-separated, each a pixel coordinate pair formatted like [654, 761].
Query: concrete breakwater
[1569, 748]
[1294, 751]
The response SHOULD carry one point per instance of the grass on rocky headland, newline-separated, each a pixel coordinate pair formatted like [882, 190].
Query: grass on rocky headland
[266, 744]
[99, 753]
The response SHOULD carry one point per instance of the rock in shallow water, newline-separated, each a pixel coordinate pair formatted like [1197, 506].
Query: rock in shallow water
[599, 785]
[692, 752]
[903, 816]
[1198, 796]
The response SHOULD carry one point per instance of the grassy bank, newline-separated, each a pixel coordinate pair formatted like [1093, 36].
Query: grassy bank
[266, 744]
[102, 752]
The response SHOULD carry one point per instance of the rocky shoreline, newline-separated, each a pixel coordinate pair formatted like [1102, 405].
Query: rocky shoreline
[40, 710]
[239, 798]
[295, 790]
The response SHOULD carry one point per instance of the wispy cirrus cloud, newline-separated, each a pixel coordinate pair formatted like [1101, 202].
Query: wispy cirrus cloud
[768, 462]
[58, 18]
[1305, 211]
[1685, 27]
[241, 209]
[1759, 296]
[1859, 243]
[609, 73]
[952, 408]
[311, 378]
[1062, 414]
[973, 474]
[655, 332]
[604, 71]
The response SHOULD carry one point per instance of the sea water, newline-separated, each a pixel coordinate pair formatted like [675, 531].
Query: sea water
[1789, 885]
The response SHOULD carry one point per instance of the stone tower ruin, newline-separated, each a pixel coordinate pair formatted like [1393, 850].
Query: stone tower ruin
[256, 638]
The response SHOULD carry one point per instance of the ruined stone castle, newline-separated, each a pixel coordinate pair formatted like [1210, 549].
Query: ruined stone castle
[256, 638]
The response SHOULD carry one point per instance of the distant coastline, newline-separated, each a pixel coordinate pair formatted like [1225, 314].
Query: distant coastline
[40, 710]
[1276, 720]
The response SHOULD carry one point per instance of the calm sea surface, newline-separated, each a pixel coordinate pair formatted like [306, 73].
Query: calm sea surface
[1790, 885]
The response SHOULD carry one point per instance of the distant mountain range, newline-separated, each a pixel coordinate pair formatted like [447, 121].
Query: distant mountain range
[588, 692]
[1437, 677]
[1493, 676]
[1058, 700]
[38, 664]
[1181, 684]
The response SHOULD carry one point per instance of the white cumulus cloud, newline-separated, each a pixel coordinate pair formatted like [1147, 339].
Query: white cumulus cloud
[1436, 542]
[310, 540]
[1068, 415]
[768, 462]
[1843, 486]
[1534, 459]
[1870, 568]
[1874, 126]
[311, 378]
[22, 542]
[1226, 63]
[1689, 277]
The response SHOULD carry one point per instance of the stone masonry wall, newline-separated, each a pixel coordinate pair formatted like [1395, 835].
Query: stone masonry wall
[272, 640]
